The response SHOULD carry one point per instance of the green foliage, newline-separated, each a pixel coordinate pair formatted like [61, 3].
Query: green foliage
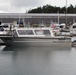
[53, 9]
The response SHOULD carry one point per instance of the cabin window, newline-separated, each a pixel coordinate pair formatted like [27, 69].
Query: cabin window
[42, 32]
[25, 32]
[46, 32]
[39, 32]
[74, 26]
[29, 32]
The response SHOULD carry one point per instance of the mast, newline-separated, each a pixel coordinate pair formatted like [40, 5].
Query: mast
[58, 17]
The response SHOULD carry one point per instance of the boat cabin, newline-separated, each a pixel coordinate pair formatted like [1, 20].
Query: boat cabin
[34, 32]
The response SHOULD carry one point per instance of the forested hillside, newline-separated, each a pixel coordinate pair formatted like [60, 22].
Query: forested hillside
[53, 9]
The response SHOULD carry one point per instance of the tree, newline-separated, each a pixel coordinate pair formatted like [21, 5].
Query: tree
[70, 9]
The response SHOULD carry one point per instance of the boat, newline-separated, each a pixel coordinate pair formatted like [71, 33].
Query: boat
[4, 27]
[33, 36]
[73, 29]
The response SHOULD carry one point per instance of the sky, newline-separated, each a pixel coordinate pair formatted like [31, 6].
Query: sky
[22, 6]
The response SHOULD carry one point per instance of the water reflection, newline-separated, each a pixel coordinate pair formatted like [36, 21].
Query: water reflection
[37, 61]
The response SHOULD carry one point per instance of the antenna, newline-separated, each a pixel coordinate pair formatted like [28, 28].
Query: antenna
[66, 12]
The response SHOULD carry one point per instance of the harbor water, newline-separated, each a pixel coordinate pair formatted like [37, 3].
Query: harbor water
[37, 60]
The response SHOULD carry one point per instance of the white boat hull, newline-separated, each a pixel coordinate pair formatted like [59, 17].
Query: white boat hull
[37, 41]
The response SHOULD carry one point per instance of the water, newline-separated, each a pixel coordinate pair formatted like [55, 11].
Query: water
[37, 61]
